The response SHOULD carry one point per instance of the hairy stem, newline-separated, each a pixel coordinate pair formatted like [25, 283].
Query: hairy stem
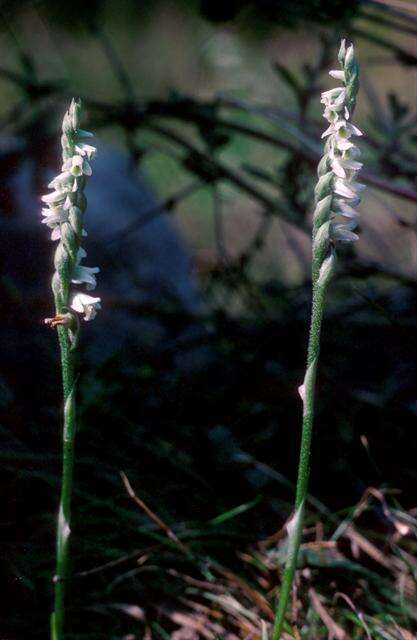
[64, 212]
[64, 515]
[296, 526]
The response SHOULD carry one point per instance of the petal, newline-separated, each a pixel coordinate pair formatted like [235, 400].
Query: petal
[86, 150]
[355, 130]
[52, 220]
[55, 196]
[352, 164]
[345, 209]
[340, 99]
[81, 133]
[343, 144]
[60, 180]
[328, 131]
[87, 169]
[86, 304]
[76, 304]
[338, 168]
[338, 74]
[358, 186]
[81, 254]
[332, 93]
[344, 189]
[340, 233]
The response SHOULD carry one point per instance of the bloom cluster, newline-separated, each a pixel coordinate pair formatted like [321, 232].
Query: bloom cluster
[63, 214]
[341, 152]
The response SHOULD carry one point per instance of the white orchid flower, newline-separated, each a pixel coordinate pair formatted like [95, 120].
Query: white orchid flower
[85, 150]
[83, 303]
[62, 207]
[342, 154]
[77, 166]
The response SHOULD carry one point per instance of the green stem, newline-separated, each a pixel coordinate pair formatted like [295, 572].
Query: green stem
[296, 526]
[64, 516]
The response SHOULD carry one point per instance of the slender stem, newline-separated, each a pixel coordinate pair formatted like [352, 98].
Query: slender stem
[296, 526]
[67, 204]
[64, 516]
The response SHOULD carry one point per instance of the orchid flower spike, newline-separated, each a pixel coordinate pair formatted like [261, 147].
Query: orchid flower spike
[337, 195]
[64, 212]
[338, 191]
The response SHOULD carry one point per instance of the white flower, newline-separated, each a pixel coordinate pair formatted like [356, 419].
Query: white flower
[83, 303]
[342, 129]
[63, 206]
[342, 154]
[351, 151]
[81, 254]
[61, 182]
[342, 164]
[54, 198]
[85, 275]
[334, 96]
[54, 216]
[85, 150]
[346, 129]
[81, 133]
[347, 189]
[56, 234]
[349, 55]
[77, 166]
[342, 231]
[339, 75]
[344, 209]
[82, 274]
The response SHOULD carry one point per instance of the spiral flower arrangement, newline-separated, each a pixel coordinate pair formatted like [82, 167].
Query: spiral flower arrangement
[335, 217]
[64, 214]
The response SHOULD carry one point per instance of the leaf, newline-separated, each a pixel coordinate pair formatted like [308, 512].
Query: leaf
[236, 511]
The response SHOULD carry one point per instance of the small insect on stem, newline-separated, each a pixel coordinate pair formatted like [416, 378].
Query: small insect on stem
[62, 319]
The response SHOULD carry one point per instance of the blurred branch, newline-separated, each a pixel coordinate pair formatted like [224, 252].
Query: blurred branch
[211, 170]
[199, 113]
[116, 64]
[387, 22]
[314, 155]
[398, 8]
[402, 56]
[152, 213]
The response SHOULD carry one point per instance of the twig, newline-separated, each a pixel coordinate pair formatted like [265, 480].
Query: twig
[156, 519]
[222, 171]
[335, 631]
[104, 567]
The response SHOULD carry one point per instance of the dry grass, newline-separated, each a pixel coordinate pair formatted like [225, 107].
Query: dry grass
[357, 579]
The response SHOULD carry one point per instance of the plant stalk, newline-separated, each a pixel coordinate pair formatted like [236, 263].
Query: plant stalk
[296, 526]
[64, 515]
